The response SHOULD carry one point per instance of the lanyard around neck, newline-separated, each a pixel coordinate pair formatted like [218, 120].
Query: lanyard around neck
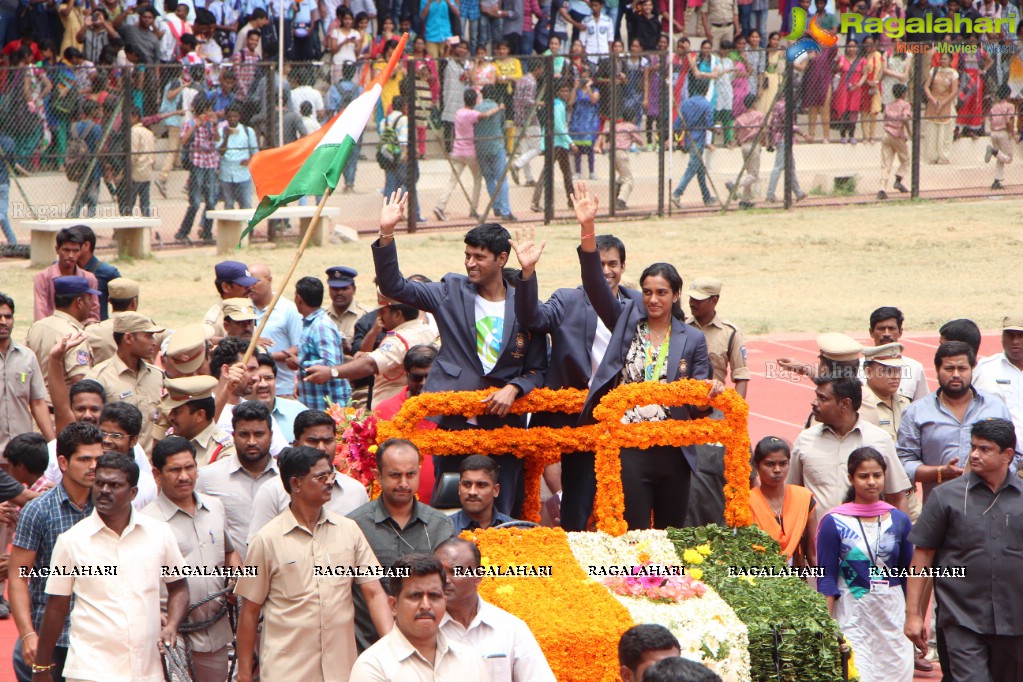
[662, 355]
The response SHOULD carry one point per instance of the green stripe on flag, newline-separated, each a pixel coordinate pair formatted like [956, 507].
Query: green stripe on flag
[320, 172]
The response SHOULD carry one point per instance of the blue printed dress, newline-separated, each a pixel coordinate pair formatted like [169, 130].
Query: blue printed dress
[872, 622]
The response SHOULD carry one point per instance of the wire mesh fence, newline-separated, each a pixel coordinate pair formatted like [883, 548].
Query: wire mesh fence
[723, 127]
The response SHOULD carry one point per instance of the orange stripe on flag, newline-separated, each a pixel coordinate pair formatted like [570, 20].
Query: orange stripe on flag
[273, 169]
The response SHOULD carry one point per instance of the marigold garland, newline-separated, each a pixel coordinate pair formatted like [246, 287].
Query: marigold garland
[580, 644]
[542, 446]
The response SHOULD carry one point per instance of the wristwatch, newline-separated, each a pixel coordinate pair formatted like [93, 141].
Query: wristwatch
[333, 372]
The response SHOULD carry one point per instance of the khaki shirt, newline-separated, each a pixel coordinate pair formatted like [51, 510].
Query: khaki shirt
[393, 658]
[390, 357]
[272, 499]
[21, 381]
[308, 620]
[878, 413]
[142, 388]
[819, 458]
[725, 346]
[115, 624]
[720, 12]
[48, 332]
[202, 542]
[215, 318]
[345, 322]
[228, 481]
[212, 439]
[101, 340]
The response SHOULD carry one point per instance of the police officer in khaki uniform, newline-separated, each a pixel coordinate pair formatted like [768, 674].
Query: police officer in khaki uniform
[239, 317]
[190, 406]
[838, 353]
[344, 310]
[127, 377]
[187, 351]
[73, 300]
[404, 330]
[725, 344]
[124, 297]
[233, 280]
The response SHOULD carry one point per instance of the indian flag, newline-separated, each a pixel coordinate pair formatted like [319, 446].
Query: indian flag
[313, 164]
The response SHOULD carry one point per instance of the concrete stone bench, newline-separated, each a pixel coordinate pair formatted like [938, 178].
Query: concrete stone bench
[133, 235]
[229, 223]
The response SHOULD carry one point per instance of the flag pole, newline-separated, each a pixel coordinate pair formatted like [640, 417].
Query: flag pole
[287, 277]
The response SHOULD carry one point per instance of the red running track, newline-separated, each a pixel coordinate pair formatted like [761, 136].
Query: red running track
[779, 405]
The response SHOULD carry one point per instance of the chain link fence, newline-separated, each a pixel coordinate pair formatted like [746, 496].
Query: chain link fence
[856, 122]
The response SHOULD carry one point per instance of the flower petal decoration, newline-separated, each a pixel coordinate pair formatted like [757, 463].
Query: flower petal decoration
[541, 446]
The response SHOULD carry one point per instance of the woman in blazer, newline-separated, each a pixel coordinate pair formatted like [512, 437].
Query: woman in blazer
[649, 342]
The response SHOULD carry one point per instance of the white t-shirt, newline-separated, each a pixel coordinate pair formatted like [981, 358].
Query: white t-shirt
[347, 53]
[600, 341]
[489, 331]
[306, 93]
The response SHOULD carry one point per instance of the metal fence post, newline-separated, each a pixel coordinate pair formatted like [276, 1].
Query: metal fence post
[667, 139]
[548, 152]
[612, 199]
[273, 136]
[790, 119]
[918, 104]
[412, 167]
[124, 188]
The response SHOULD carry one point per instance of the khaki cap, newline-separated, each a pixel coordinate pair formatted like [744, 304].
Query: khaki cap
[1012, 323]
[123, 288]
[839, 347]
[186, 389]
[889, 354]
[133, 323]
[239, 309]
[705, 287]
[186, 348]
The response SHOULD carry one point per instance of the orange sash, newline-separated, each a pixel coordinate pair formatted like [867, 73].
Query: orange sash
[795, 512]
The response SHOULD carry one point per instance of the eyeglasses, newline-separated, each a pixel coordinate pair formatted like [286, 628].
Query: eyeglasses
[116, 437]
[327, 478]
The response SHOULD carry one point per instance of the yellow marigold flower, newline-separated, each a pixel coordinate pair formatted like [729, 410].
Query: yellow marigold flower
[372, 449]
[696, 573]
[691, 556]
[507, 588]
[704, 549]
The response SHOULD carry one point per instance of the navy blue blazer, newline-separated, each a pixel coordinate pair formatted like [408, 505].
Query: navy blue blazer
[572, 323]
[687, 347]
[452, 301]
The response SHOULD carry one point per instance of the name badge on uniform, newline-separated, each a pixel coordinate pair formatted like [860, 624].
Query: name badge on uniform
[884, 422]
[1006, 382]
[878, 586]
[124, 395]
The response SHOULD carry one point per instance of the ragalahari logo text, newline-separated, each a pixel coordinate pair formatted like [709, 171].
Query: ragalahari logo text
[807, 35]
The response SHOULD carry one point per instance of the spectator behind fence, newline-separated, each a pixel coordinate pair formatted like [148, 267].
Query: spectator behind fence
[1002, 117]
[940, 90]
[200, 140]
[490, 149]
[585, 122]
[143, 159]
[562, 144]
[463, 155]
[237, 146]
[339, 96]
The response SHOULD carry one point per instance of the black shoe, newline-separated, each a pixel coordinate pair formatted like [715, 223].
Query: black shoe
[184, 240]
[882, 195]
[899, 186]
[746, 204]
[620, 205]
[997, 184]
[514, 173]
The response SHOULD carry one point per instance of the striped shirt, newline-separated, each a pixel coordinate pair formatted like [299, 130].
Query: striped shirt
[41, 521]
[321, 345]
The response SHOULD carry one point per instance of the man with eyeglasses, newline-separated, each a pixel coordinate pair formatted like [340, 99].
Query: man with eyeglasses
[121, 424]
[404, 329]
[306, 563]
